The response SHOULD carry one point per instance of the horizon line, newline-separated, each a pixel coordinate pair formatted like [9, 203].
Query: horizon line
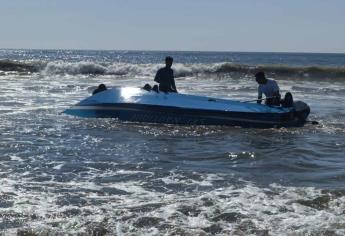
[170, 50]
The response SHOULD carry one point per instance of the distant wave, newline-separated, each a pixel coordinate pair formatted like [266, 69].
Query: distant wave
[9, 65]
[285, 70]
[181, 70]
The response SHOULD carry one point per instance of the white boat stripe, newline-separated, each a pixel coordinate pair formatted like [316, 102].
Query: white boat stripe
[136, 109]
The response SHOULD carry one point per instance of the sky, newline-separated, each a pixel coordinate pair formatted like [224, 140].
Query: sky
[183, 25]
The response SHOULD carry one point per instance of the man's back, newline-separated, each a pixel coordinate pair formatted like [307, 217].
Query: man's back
[165, 78]
[270, 88]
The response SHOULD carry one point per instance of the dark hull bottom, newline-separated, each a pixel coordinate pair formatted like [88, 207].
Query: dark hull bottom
[189, 116]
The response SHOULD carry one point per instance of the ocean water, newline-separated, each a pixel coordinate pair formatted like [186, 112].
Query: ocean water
[64, 175]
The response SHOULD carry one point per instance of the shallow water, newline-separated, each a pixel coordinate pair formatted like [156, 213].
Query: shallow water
[67, 175]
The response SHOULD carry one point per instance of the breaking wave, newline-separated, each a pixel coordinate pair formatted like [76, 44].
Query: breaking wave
[285, 70]
[17, 66]
[181, 70]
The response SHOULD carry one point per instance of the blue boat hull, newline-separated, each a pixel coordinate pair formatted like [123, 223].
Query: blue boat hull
[157, 108]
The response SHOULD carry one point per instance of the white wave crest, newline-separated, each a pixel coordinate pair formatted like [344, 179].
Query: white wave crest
[92, 68]
[183, 70]
[74, 68]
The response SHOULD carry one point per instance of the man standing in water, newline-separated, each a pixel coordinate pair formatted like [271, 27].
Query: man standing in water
[268, 87]
[165, 77]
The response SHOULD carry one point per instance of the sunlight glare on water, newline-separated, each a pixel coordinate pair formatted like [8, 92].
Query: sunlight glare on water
[66, 175]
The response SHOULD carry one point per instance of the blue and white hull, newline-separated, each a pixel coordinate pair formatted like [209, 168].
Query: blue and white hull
[138, 105]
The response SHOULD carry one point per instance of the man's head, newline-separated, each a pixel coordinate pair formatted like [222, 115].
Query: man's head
[168, 61]
[260, 77]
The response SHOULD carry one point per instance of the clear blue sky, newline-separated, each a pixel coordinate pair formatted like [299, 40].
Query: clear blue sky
[202, 25]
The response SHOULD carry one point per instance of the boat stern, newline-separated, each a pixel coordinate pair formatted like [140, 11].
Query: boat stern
[301, 110]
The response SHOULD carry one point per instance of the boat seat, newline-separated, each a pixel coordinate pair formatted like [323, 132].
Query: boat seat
[147, 87]
[155, 88]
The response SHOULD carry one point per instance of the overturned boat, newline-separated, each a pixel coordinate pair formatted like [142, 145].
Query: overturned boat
[140, 105]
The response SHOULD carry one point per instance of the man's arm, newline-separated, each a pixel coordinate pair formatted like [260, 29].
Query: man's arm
[276, 94]
[259, 96]
[157, 77]
[173, 85]
[276, 89]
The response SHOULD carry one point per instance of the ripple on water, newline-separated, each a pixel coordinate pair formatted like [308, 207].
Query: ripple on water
[66, 175]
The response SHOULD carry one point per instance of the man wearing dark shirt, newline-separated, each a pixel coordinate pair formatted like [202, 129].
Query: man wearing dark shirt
[165, 77]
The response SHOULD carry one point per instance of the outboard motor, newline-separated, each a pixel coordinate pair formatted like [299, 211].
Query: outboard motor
[288, 100]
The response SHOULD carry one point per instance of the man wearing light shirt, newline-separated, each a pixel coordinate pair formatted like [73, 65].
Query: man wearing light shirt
[268, 87]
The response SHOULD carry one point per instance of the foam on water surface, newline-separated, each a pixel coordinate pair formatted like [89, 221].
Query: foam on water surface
[66, 175]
